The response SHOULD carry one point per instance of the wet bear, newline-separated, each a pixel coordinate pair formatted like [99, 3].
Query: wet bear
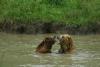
[46, 45]
[66, 44]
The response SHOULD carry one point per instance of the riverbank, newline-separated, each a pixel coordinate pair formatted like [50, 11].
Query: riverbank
[50, 16]
[48, 27]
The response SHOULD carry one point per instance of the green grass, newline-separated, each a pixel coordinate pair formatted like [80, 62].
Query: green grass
[78, 12]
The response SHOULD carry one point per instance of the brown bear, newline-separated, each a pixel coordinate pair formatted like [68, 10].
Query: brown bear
[66, 44]
[46, 45]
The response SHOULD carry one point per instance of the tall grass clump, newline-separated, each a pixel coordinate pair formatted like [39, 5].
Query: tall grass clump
[79, 12]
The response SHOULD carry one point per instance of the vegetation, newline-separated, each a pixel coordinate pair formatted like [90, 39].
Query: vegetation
[78, 12]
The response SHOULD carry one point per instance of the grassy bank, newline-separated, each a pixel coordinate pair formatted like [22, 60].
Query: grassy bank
[30, 16]
[78, 12]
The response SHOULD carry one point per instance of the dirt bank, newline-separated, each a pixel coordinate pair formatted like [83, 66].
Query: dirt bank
[44, 27]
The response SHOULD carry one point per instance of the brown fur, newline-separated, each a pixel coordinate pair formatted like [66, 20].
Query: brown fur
[66, 44]
[46, 45]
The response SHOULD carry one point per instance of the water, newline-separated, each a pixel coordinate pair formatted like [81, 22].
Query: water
[19, 51]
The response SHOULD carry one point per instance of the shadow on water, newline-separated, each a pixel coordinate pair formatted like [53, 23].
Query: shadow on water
[19, 51]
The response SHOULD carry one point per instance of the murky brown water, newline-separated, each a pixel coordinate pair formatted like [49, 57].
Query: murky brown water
[19, 51]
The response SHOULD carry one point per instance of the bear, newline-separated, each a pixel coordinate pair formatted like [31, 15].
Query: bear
[66, 43]
[46, 45]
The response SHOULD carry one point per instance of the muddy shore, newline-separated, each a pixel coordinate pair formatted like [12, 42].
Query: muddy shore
[47, 27]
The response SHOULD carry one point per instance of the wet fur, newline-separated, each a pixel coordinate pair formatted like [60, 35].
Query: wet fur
[66, 44]
[46, 45]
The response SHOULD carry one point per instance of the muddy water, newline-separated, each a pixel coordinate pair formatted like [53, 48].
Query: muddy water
[19, 51]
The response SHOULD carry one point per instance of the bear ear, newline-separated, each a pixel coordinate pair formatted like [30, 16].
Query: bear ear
[46, 38]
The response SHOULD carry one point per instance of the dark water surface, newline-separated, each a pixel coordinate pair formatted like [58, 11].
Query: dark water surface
[19, 51]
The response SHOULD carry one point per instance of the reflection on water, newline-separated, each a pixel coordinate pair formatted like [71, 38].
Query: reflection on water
[19, 51]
